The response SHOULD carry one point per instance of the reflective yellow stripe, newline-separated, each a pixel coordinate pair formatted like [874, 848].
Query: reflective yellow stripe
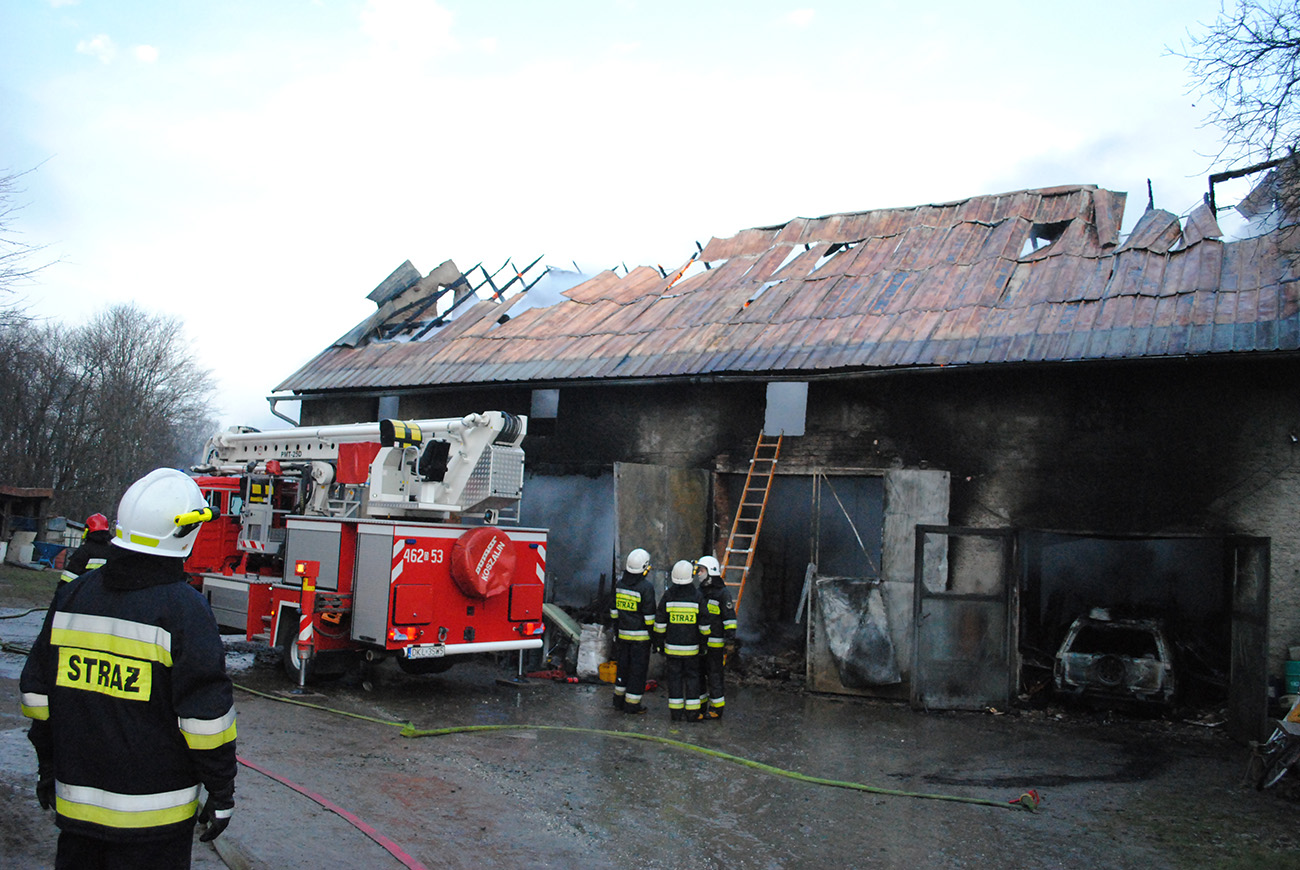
[136, 538]
[105, 634]
[35, 706]
[67, 577]
[115, 810]
[208, 733]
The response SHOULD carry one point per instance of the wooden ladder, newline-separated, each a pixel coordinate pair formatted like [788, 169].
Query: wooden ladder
[743, 541]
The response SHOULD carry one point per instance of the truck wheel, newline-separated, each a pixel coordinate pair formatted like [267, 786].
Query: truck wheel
[293, 664]
[323, 666]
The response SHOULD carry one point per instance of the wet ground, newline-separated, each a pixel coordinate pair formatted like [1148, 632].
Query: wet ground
[623, 791]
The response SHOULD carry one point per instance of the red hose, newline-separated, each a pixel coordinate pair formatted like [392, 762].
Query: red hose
[392, 848]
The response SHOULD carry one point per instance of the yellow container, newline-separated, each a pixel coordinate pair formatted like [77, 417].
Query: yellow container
[608, 671]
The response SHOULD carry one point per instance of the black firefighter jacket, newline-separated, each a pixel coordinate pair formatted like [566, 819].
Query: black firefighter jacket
[130, 703]
[633, 613]
[93, 553]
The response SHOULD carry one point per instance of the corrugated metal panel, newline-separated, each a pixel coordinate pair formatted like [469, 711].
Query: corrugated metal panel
[928, 285]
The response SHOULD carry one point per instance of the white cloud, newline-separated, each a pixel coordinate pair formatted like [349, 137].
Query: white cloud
[488, 45]
[800, 17]
[101, 46]
[146, 53]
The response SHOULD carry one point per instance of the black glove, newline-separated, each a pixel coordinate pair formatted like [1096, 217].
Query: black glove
[216, 813]
[45, 786]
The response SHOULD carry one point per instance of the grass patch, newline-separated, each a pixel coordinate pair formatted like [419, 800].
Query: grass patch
[23, 587]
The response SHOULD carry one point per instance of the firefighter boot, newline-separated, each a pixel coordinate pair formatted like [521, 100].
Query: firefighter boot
[638, 707]
[619, 703]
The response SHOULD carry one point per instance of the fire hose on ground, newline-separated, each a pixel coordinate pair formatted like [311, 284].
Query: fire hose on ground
[1028, 800]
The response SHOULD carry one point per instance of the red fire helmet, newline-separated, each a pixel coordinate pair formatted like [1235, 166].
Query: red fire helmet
[97, 523]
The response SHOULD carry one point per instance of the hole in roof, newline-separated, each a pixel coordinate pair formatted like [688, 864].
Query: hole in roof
[696, 267]
[831, 252]
[763, 288]
[794, 252]
[1042, 235]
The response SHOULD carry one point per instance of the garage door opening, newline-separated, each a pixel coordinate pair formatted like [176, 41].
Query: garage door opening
[1175, 593]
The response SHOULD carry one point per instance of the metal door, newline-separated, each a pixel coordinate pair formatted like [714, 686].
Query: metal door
[964, 652]
[662, 510]
[1247, 564]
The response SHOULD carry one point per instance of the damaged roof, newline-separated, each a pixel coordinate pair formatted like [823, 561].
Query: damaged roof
[1030, 276]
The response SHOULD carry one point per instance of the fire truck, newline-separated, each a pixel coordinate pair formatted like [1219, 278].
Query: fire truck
[383, 539]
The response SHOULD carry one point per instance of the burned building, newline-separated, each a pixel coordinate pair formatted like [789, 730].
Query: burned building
[997, 413]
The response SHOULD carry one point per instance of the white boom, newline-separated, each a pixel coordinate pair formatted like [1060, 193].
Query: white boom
[481, 464]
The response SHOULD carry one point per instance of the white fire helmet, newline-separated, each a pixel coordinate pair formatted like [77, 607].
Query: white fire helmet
[638, 561]
[682, 573]
[710, 564]
[160, 514]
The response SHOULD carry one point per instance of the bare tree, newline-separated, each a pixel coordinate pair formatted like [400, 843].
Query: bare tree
[143, 402]
[90, 409]
[14, 252]
[1247, 64]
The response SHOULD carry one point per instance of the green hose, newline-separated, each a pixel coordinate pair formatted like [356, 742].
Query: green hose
[409, 730]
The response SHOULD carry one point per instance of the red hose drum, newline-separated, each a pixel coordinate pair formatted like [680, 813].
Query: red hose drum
[483, 562]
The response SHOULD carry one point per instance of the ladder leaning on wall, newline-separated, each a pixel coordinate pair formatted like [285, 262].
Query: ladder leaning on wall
[738, 557]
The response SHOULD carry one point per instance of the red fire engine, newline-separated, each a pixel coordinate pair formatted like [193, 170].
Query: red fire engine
[381, 538]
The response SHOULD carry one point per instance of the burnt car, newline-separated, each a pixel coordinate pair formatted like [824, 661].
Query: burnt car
[1116, 660]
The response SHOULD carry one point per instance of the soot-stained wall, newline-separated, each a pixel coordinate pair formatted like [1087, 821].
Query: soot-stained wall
[1154, 448]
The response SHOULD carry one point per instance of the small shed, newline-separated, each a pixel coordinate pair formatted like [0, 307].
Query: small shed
[23, 509]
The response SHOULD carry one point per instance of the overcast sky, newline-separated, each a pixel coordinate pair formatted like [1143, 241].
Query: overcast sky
[256, 168]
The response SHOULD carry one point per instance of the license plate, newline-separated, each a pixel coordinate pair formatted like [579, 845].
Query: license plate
[433, 651]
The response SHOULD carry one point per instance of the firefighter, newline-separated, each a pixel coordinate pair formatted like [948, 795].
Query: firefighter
[96, 545]
[126, 687]
[680, 634]
[633, 615]
[721, 617]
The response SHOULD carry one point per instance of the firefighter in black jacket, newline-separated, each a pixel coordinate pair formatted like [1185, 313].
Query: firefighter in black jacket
[126, 687]
[94, 551]
[633, 615]
[680, 633]
[721, 617]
